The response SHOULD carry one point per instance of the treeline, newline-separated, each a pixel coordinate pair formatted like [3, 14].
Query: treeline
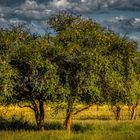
[80, 62]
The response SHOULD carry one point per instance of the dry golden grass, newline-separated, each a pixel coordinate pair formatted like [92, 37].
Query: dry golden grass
[103, 113]
[87, 125]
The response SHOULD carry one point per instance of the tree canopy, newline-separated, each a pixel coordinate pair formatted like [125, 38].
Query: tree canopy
[80, 63]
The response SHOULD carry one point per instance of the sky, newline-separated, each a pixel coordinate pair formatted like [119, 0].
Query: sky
[121, 16]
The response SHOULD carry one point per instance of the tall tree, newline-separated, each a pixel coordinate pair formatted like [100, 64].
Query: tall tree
[76, 38]
[95, 63]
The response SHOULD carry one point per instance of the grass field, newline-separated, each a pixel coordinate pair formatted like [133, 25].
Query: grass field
[88, 125]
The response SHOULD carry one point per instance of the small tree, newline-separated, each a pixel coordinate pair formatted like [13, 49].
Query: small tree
[118, 77]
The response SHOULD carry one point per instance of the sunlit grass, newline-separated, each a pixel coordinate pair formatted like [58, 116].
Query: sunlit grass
[104, 113]
[88, 125]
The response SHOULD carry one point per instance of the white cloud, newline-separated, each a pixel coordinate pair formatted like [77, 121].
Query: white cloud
[39, 10]
[60, 4]
[89, 5]
[31, 10]
[83, 0]
[17, 21]
[3, 20]
[32, 5]
[120, 18]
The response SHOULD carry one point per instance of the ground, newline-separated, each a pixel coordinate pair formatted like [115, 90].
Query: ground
[88, 125]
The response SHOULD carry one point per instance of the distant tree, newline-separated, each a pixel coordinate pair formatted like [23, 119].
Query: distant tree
[119, 80]
[134, 104]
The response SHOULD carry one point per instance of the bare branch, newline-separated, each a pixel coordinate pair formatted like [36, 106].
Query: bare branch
[82, 109]
[28, 106]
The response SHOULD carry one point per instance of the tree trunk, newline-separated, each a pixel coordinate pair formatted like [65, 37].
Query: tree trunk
[133, 110]
[68, 120]
[69, 112]
[118, 112]
[97, 107]
[39, 115]
[133, 113]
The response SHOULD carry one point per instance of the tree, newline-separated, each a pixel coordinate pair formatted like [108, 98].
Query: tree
[7, 74]
[120, 78]
[76, 38]
[96, 64]
[36, 80]
[136, 101]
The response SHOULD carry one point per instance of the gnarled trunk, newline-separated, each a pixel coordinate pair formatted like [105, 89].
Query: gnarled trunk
[97, 107]
[133, 113]
[39, 115]
[118, 112]
[69, 113]
[133, 110]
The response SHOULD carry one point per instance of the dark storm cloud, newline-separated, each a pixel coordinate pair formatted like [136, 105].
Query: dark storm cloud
[90, 5]
[35, 12]
[27, 10]
[39, 9]
[11, 2]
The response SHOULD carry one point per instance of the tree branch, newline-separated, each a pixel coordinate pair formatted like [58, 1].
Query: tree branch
[82, 109]
[28, 106]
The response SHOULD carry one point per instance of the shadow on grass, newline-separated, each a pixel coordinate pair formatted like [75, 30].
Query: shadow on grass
[16, 124]
[54, 126]
[76, 127]
[82, 128]
[95, 118]
[21, 124]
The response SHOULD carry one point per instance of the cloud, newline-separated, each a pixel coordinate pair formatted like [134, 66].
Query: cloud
[123, 24]
[2, 20]
[11, 2]
[29, 10]
[32, 14]
[39, 9]
[90, 5]
[35, 12]
[60, 4]
[16, 21]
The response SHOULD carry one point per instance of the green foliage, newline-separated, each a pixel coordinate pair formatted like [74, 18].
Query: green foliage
[81, 63]
[38, 74]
